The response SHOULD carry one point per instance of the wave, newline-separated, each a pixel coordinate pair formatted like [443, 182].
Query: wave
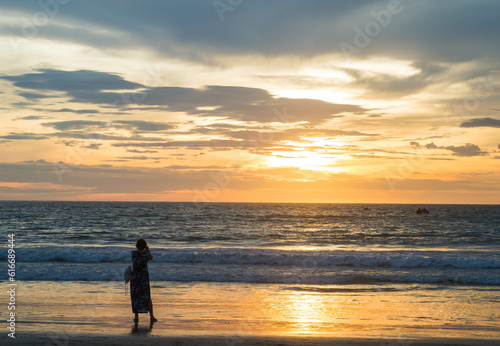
[209, 273]
[269, 257]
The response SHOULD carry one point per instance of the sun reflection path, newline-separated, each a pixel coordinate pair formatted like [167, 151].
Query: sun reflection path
[308, 313]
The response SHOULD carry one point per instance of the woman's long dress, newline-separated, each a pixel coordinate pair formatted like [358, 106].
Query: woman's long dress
[140, 293]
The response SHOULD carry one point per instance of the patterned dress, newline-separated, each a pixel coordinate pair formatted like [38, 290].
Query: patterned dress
[139, 284]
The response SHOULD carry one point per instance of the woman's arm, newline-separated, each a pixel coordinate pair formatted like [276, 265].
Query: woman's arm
[150, 257]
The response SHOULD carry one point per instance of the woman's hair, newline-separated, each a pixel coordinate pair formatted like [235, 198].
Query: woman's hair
[141, 244]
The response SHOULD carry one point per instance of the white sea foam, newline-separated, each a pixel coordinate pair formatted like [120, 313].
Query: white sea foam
[269, 257]
[256, 274]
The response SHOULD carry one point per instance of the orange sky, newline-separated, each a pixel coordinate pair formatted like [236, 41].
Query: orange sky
[380, 102]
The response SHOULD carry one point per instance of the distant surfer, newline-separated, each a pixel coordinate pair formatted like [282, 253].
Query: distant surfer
[140, 292]
[422, 211]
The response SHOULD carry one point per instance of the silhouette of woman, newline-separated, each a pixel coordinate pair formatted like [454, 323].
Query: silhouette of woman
[140, 292]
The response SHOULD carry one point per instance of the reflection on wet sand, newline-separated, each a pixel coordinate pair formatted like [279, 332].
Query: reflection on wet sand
[234, 309]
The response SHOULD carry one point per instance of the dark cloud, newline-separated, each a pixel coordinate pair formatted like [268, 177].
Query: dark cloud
[76, 111]
[463, 150]
[213, 144]
[32, 136]
[84, 135]
[137, 126]
[466, 150]
[93, 146]
[232, 136]
[144, 126]
[31, 117]
[140, 158]
[481, 122]
[142, 151]
[426, 146]
[447, 30]
[230, 102]
[269, 134]
[75, 124]
[33, 96]
[244, 104]
[72, 82]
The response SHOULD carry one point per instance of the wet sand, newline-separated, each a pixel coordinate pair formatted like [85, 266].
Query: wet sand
[84, 313]
[76, 339]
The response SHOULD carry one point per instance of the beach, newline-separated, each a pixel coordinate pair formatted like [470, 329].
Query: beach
[254, 314]
[75, 339]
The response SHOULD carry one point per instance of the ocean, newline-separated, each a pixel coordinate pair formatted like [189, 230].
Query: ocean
[325, 246]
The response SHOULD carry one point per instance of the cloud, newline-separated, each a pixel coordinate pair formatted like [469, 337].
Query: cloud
[391, 85]
[108, 178]
[93, 146]
[214, 144]
[244, 104]
[481, 122]
[463, 150]
[33, 96]
[72, 82]
[141, 158]
[75, 125]
[142, 151]
[426, 146]
[31, 117]
[79, 135]
[230, 102]
[453, 31]
[143, 126]
[269, 133]
[76, 111]
[135, 126]
[32, 136]
[466, 150]
[24, 179]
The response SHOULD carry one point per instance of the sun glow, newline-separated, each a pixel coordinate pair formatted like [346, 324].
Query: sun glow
[303, 159]
[310, 153]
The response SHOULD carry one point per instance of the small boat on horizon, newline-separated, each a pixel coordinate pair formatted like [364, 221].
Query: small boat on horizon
[422, 211]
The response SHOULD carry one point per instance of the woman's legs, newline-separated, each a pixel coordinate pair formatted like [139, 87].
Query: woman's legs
[151, 315]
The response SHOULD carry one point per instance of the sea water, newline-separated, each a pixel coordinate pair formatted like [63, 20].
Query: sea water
[313, 244]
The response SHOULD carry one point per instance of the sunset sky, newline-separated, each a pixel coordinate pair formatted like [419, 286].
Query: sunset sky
[250, 101]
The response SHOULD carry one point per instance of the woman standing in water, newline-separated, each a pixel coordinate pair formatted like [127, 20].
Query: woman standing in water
[140, 292]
